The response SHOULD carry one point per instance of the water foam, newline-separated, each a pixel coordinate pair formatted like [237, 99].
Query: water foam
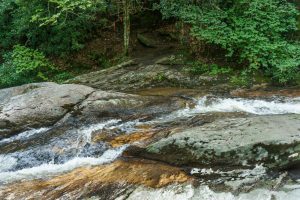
[127, 127]
[7, 162]
[49, 169]
[188, 192]
[85, 133]
[253, 106]
[24, 135]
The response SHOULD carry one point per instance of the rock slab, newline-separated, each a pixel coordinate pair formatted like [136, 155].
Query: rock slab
[271, 140]
[37, 105]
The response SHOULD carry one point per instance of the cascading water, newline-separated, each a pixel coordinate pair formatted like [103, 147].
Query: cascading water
[75, 148]
[24, 136]
[189, 192]
[211, 104]
[50, 169]
[258, 107]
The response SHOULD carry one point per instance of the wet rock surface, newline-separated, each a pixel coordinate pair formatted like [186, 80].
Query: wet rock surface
[135, 75]
[161, 143]
[111, 178]
[102, 104]
[37, 105]
[272, 140]
[42, 105]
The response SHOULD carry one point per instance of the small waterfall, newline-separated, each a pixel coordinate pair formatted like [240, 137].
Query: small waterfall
[7, 162]
[76, 151]
[49, 169]
[75, 148]
[258, 107]
[24, 135]
[85, 133]
[208, 104]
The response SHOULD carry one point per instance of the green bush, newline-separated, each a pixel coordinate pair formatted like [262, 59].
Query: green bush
[60, 77]
[256, 31]
[196, 68]
[242, 79]
[25, 65]
[56, 27]
[199, 68]
[9, 77]
[28, 61]
[216, 70]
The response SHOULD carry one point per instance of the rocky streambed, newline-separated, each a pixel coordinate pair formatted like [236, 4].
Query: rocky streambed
[76, 142]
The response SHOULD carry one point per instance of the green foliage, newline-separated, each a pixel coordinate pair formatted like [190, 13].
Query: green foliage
[9, 77]
[160, 77]
[254, 30]
[196, 68]
[60, 77]
[199, 68]
[260, 34]
[30, 62]
[242, 79]
[25, 65]
[64, 7]
[56, 27]
[100, 59]
[216, 70]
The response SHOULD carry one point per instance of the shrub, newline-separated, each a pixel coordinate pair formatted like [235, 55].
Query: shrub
[56, 27]
[24, 65]
[28, 61]
[216, 70]
[199, 68]
[196, 68]
[241, 79]
[62, 76]
[256, 31]
[9, 77]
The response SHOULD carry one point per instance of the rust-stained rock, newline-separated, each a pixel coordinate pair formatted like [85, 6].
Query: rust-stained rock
[85, 182]
[129, 139]
[102, 136]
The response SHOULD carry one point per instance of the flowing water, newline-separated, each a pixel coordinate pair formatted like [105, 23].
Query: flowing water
[254, 106]
[74, 148]
[211, 104]
[179, 192]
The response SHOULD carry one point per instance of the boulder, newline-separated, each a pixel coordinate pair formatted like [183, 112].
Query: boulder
[271, 140]
[146, 41]
[130, 76]
[110, 104]
[37, 105]
[45, 104]
[107, 104]
[8, 93]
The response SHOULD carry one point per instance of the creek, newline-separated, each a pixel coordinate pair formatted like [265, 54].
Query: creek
[48, 152]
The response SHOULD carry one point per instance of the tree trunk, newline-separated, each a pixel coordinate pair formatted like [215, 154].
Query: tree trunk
[126, 21]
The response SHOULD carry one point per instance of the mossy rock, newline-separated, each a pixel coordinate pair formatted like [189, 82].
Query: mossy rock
[146, 41]
[170, 60]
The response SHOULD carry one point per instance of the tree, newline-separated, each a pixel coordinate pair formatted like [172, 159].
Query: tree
[126, 22]
[56, 27]
[256, 31]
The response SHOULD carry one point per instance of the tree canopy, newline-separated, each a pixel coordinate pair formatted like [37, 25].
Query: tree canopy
[259, 34]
